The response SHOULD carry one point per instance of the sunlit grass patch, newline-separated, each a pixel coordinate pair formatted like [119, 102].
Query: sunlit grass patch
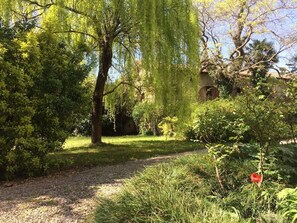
[78, 152]
[82, 141]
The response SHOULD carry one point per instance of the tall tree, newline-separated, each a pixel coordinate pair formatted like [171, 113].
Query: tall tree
[228, 26]
[262, 57]
[163, 34]
[293, 64]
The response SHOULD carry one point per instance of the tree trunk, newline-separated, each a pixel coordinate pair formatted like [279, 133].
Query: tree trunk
[105, 61]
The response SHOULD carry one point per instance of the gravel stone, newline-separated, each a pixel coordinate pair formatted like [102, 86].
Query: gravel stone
[70, 196]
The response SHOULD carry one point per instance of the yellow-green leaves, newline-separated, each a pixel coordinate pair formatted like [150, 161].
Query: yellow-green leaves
[2, 51]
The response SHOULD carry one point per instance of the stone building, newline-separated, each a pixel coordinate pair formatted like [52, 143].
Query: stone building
[209, 91]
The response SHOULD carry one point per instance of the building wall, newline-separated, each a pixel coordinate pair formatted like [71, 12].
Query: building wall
[207, 89]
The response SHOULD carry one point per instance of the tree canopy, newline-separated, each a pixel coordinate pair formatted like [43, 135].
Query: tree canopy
[228, 27]
[162, 34]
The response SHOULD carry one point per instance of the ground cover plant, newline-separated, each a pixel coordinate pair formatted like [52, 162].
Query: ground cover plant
[187, 190]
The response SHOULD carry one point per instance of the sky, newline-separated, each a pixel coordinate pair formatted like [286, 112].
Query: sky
[282, 29]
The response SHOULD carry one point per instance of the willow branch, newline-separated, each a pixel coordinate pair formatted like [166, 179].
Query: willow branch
[122, 83]
[38, 4]
[78, 32]
[53, 3]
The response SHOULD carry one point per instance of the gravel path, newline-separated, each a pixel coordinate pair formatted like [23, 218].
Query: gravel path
[66, 197]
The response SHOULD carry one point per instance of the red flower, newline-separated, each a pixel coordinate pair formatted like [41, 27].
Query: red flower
[256, 178]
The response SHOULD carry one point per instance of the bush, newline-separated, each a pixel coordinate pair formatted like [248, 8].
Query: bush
[168, 126]
[146, 116]
[289, 109]
[41, 97]
[263, 118]
[287, 203]
[60, 95]
[213, 122]
[19, 152]
[28, 158]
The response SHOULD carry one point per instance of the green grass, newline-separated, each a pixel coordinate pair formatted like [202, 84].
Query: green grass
[185, 190]
[169, 192]
[79, 153]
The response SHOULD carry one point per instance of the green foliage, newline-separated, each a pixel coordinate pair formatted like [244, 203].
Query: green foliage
[213, 122]
[259, 119]
[261, 57]
[185, 190]
[224, 82]
[254, 203]
[289, 108]
[285, 162]
[165, 193]
[232, 165]
[278, 162]
[79, 153]
[41, 90]
[16, 108]
[147, 115]
[164, 35]
[60, 98]
[287, 203]
[168, 125]
[267, 128]
[264, 117]
[170, 52]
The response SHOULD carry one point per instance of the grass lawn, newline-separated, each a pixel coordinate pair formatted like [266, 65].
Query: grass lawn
[79, 153]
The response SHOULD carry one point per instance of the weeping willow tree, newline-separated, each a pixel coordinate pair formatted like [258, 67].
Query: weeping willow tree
[161, 33]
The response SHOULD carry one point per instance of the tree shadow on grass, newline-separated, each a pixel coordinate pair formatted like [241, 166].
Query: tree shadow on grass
[79, 157]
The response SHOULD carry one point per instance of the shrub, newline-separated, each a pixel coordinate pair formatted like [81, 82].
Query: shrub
[287, 203]
[213, 122]
[265, 120]
[146, 116]
[27, 158]
[168, 125]
[41, 97]
[264, 117]
[16, 109]
[289, 109]
[285, 162]
[60, 95]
